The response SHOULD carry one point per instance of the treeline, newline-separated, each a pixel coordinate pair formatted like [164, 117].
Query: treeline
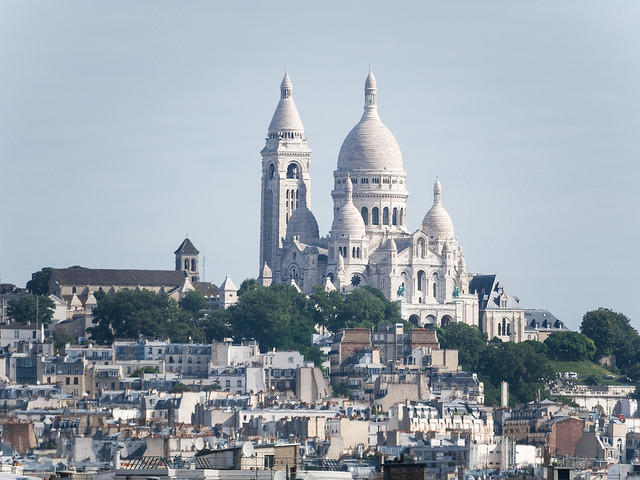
[278, 316]
[605, 337]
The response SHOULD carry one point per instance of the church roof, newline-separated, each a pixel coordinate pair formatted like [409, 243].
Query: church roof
[303, 225]
[370, 145]
[186, 247]
[489, 289]
[286, 117]
[228, 285]
[539, 318]
[130, 278]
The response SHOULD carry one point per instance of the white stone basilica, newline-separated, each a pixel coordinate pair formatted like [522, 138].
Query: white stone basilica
[369, 242]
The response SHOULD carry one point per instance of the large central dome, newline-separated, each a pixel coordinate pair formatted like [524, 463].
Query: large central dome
[370, 145]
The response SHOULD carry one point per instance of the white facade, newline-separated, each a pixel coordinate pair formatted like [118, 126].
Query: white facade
[369, 242]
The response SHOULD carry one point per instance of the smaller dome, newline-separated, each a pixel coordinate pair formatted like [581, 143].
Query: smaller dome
[347, 220]
[437, 222]
[303, 225]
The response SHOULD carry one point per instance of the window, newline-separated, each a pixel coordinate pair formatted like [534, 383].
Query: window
[394, 219]
[290, 359]
[239, 383]
[365, 215]
[375, 220]
[375, 180]
[227, 383]
[385, 216]
[75, 380]
[292, 171]
[272, 170]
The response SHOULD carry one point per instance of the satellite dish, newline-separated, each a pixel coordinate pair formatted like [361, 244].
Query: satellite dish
[279, 475]
[199, 444]
[247, 449]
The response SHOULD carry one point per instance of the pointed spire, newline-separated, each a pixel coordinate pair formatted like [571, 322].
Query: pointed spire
[286, 87]
[370, 90]
[437, 192]
[349, 198]
[286, 121]
[328, 285]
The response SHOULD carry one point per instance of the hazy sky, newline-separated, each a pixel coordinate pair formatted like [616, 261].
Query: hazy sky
[126, 125]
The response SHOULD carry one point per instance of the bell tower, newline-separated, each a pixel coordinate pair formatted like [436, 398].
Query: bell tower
[187, 260]
[285, 175]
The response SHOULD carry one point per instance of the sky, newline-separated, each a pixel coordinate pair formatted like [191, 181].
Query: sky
[125, 126]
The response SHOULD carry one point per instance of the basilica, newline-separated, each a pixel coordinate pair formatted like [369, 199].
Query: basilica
[369, 242]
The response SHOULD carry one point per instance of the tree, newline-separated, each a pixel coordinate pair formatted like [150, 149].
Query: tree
[277, 316]
[194, 303]
[366, 307]
[526, 369]
[139, 373]
[135, 313]
[31, 309]
[39, 283]
[469, 341]
[612, 334]
[215, 325]
[248, 284]
[570, 346]
[327, 306]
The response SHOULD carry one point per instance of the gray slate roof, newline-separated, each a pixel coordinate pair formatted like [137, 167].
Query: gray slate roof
[488, 289]
[187, 247]
[98, 276]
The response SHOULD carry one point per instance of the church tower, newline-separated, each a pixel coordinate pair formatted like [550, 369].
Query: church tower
[286, 183]
[187, 260]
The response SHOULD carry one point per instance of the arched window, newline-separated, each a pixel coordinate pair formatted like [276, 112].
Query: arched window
[193, 264]
[385, 216]
[358, 252]
[375, 220]
[401, 219]
[186, 264]
[272, 170]
[435, 285]
[292, 171]
[394, 218]
[421, 248]
[353, 252]
[421, 281]
[365, 215]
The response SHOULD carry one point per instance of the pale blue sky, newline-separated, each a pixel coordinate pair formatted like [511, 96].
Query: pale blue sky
[125, 125]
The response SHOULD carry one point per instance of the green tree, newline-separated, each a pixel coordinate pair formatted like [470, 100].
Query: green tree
[570, 346]
[248, 284]
[134, 313]
[469, 341]
[366, 307]
[526, 369]
[194, 303]
[612, 334]
[327, 306]
[31, 309]
[215, 325]
[277, 316]
[139, 373]
[39, 283]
